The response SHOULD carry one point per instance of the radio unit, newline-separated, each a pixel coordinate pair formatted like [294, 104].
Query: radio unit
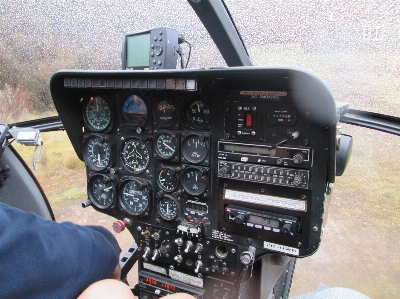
[262, 220]
[264, 154]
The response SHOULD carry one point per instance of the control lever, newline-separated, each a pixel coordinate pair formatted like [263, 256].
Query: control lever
[189, 246]
[198, 264]
[156, 252]
[146, 253]
[294, 135]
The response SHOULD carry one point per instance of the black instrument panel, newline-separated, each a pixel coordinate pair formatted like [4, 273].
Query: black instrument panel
[224, 160]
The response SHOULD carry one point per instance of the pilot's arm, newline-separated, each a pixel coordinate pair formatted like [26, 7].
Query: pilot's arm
[44, 259]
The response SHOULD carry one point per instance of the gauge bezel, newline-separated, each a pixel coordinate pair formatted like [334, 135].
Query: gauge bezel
[111, 147]
[186, 157]
[146, 188]
[202, 192]
[189, 120]
[122, 156]
[175, 137]
[162, 215]
[157, 123]
[86, 100]
[129, 124]
[163, 187]
[90, 188]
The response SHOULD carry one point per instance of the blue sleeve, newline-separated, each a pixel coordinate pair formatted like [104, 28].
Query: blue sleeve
[44, 259]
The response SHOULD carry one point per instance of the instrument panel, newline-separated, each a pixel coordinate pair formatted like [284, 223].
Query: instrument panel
[208, 169]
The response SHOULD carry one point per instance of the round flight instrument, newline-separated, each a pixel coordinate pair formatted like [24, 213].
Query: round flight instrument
[101, 191]
[168, 179]
[97, 114]
[166, 145]
[195, 148]
[97, 152]
[166, 113]
[134, 111]
[168, 208]
[134, 197]
[194, 181]
[135, 155]
[198, 114]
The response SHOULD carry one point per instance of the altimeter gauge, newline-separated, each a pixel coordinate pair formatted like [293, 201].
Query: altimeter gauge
[97, 151]
[102, 191]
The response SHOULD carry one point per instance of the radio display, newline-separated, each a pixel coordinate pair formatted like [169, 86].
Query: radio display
[196, 207]
[247, 149]
[157, 283]
[264, 221]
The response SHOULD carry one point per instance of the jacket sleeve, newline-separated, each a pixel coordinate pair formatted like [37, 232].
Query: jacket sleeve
[41, 258]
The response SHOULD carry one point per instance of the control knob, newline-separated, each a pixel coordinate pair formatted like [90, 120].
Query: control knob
[297, 180]
[248, 257]
[298, 158]
[286, 228]
[224, 171]
[179, 242]
[178, 258]
[240, 219]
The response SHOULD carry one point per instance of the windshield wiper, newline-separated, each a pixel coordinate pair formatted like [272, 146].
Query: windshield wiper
[46, 124]
[371, 120]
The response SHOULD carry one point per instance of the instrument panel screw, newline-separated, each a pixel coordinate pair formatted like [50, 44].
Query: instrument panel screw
[122, 138]
[254, 108]
[315, 229]
[239, 132]
[240, 108]
[233, 250]
[139, 228]
[249, 240]
[171, 267]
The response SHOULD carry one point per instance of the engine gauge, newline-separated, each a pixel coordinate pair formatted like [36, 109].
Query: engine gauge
[96, 113]
[97, 151]
[198, 114]
[168, 208]
[134, 196]
[195, 148]
[135, 155]
[195, 181]
[166, 113]
[168, 179]
[166, 145]
[101, 191]
[134, 111]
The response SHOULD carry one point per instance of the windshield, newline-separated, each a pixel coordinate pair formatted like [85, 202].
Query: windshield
[353, 46]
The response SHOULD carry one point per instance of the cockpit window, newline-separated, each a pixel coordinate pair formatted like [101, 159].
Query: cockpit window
[41, 37]
[352, 46]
